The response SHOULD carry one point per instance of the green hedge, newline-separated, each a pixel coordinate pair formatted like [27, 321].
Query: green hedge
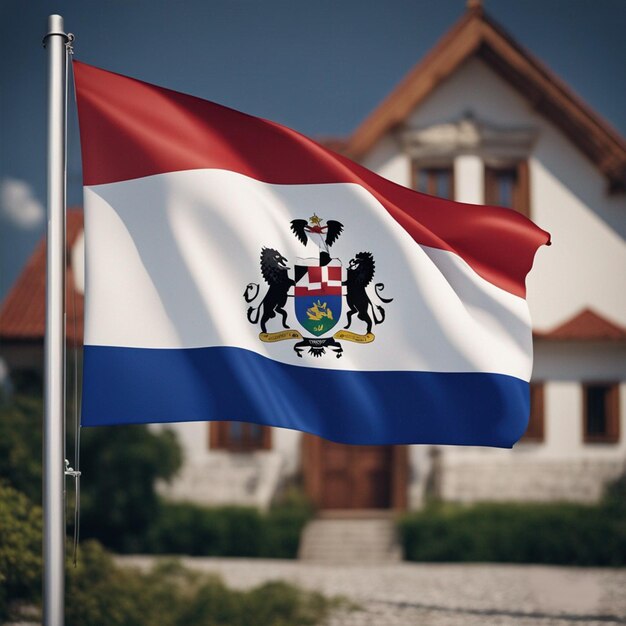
[228, 531]
[564, 534]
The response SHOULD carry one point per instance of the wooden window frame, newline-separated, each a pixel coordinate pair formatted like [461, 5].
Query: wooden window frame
[612, 434]
[521, 190]
[219, 439]
[431, 190]
[535, 432]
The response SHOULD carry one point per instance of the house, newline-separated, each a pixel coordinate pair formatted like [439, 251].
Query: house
[480, 120]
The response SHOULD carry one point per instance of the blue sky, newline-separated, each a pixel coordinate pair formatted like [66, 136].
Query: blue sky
[319, 67]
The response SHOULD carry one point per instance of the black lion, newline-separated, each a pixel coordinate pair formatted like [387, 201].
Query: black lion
[360, 274]
[274, 269]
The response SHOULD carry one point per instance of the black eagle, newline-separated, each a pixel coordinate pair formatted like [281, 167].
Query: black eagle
[323, 236]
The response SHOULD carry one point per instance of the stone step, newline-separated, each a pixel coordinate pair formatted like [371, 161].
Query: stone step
[352, 540]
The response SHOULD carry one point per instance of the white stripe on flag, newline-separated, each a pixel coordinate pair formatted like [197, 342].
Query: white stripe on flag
[169, 256]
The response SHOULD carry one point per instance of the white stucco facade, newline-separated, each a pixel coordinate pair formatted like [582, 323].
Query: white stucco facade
[584, 268]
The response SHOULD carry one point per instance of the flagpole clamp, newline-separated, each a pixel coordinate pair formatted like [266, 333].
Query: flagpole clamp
[70, 471]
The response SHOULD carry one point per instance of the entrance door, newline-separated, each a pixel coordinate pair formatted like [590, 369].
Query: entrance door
[339, 476]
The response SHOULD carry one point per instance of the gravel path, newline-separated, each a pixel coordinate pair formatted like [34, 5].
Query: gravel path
[408, 594]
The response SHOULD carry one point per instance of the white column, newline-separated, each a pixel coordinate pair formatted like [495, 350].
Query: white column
[469, 179]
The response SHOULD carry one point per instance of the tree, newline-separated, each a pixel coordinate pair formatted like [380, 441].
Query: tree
[120, 465]
[20, 445]
[20, 549]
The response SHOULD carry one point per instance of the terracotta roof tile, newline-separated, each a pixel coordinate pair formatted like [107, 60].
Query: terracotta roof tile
[23, 312]
[585, 326]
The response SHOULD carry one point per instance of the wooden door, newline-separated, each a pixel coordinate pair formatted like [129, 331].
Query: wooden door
[340, 476]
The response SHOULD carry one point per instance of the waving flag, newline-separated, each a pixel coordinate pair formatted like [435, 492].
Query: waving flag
[237, 270]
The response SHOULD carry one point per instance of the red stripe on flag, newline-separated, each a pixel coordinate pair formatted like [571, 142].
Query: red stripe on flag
[131, 129]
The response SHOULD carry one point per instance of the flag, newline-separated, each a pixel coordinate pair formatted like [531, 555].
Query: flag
[237, 270]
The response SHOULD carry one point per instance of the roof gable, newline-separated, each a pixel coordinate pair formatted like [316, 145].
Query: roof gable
[585, 326]
[475, 34]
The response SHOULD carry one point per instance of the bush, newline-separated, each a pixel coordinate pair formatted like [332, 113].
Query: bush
[184, 528]
[99, 592]
[120, 466]
[20, 549]
[564, 534]
[283, 526]
[20, 445]
[614, 500]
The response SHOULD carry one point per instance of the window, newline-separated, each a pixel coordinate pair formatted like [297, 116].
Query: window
[435, 181]
[508, 187]
[535, 431]
[601, 413]
[239, 436]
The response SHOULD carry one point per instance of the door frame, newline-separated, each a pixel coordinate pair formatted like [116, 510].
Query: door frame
[311, 461]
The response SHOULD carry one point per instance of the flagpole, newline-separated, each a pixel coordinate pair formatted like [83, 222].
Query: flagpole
[54, 344]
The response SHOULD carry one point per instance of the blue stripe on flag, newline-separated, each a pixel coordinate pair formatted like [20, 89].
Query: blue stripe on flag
[140, 385]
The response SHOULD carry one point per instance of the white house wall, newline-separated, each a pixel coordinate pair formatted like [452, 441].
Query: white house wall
[576, 361]
[218, 477]
[560, 468]
[385, 159]
[584, 268]
[586, 264]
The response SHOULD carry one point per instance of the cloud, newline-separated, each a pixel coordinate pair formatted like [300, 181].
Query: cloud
[19, 205]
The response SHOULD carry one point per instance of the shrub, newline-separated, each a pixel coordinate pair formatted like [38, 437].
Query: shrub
[184, 528]
[565, 534]
[99, 592]
[120, 466]
[283, 526]
[271, 604]
[20, 445]
[20, 549]
[614, 500]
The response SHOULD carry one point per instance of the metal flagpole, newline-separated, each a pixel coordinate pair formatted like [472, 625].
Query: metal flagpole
[54, 345]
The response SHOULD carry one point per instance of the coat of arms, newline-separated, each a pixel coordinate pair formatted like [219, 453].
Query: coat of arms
[320, 288]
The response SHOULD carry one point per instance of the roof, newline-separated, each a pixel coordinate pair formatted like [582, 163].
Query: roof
[476, 34]
[585, 326]
[23, 313]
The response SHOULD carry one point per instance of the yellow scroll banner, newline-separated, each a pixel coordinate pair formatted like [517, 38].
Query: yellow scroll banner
[350, 336]
[280, 336]
[346, 335]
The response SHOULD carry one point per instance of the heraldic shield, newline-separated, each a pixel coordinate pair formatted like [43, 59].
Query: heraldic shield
[318, 294]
